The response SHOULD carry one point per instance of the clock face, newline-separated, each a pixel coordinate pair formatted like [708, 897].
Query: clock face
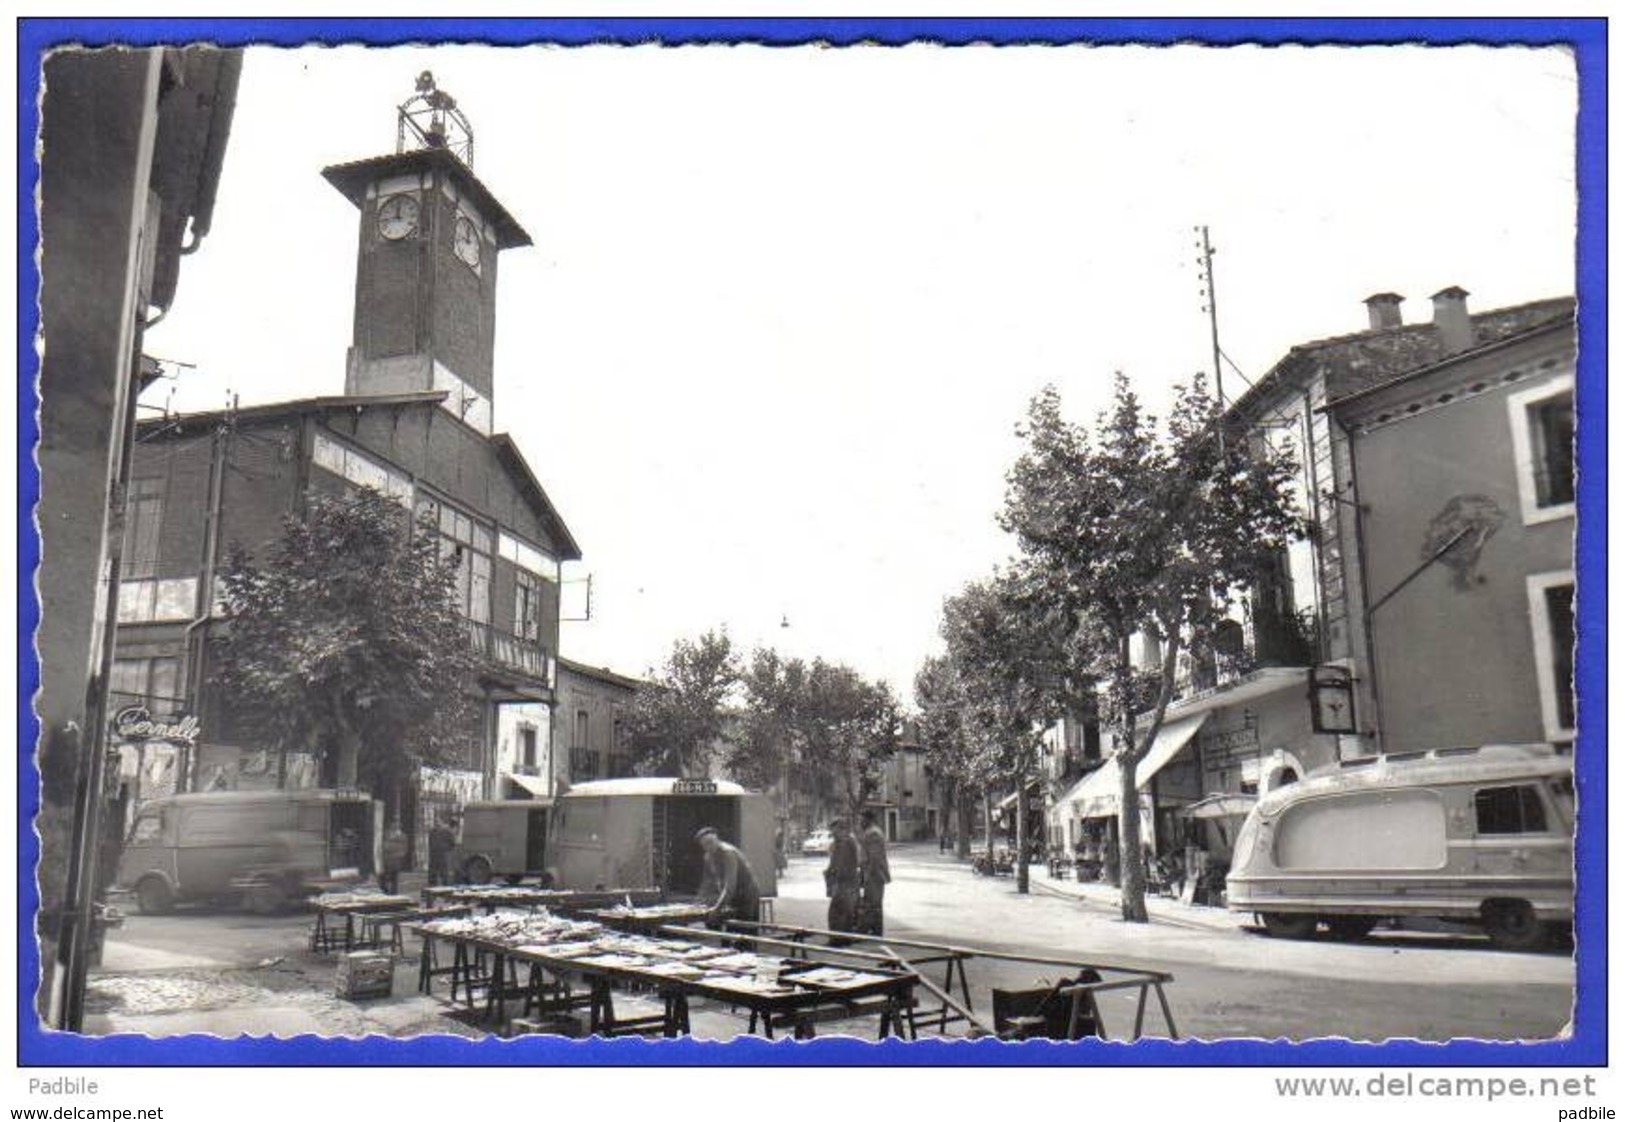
[466, 241]
[398, 217]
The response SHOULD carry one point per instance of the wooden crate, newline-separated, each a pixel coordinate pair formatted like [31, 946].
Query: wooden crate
[364, 974]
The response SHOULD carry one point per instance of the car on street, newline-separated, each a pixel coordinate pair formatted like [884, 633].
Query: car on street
[818, 843]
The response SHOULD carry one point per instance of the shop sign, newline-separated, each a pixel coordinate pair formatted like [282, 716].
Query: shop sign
[694, 787]
[1331, 699]
[135, 723]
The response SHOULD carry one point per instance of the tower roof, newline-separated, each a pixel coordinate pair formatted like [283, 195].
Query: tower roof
[353, 179]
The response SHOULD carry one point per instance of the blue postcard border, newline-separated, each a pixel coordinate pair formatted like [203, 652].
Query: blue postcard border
[1586, 1045]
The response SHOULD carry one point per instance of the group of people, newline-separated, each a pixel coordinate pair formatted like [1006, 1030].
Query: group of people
[856, 877]
[397, 853]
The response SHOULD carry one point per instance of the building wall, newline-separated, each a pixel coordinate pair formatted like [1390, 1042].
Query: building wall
[586, 726]
[1456, 647]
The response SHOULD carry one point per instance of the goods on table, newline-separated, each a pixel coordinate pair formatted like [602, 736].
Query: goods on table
[653, 911]
[515, 930]
[746, 983]
[362, 895]
[745, 962]
[832, 976]
[364, 974]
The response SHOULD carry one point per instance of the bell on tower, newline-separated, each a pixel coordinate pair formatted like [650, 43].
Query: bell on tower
[426, 265]
[430, 119]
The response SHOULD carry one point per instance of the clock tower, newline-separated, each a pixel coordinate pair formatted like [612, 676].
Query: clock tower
[426, 263]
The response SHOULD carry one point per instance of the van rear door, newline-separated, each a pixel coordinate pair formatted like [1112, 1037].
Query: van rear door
[757, 826]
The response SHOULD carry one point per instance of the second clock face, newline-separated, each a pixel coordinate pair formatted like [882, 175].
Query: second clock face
[398, 217]
[466, 241]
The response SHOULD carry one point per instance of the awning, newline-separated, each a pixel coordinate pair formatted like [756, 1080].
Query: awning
[1096, 794]
[533, 785]
[1231, 805]
[1010, 800]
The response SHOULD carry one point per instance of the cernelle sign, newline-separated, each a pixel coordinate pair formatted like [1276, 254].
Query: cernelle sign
[135, 723]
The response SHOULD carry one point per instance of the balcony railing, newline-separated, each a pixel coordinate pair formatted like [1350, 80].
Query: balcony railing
[511, 652]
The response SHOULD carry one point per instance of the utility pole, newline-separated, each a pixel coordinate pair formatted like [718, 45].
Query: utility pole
[1210, 293]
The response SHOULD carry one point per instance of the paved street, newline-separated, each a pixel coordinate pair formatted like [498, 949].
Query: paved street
[229, 973]
[1229, 981]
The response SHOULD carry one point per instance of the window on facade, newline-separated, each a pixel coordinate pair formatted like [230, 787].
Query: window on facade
[1542, 423]
[143, 519]
[581, 728]
[526, 557]
[145, 601]
[1551, 622]
[360, 470]
[527, 746]
[1551, 445]
[468, 544]
[527, 607]
[1560, 628]
[154, 682]
[1510, 810]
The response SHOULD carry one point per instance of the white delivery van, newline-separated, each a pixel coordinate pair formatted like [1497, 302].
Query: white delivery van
[639, 833]
[1476, 835]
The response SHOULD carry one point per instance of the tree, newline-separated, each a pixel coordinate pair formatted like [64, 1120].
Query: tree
[845, 729]
[346, 640]
[1130, 530]
[765, 751]
[680, 719]
[949, 751]
[1010, 647]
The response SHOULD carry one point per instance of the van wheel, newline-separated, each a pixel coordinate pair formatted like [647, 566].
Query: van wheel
[265, 899]
[1350, 927]
[153, 897]
[1290, 925]
[477, 870]
[1512, 926]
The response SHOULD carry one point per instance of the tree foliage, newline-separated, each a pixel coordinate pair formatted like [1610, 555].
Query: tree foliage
[819, 728]
[345, 640]
[1134, 529]
[678, 721]
[1016, 672]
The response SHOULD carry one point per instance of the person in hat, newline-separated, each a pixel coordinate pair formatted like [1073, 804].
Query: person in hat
[876, 875]
[729, 884]
[842, 877]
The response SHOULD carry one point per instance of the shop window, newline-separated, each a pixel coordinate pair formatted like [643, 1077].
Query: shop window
[1510, 810]
[1542, 420]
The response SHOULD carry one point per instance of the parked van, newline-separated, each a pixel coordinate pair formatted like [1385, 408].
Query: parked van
[505, 839]
[1477, 835]
[260, 848]
[639, 833]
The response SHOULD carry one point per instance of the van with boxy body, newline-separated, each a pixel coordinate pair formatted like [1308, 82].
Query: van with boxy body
[503, 839]
[1483, 836]
[639, 833]
[260, 848]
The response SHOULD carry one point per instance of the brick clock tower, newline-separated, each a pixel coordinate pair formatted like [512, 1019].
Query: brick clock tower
[426, 265]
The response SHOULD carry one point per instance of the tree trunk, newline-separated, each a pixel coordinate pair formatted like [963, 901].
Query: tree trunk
[987, 821]
[962, 834]
[347, 770]
[1022, 883]
[1132, 890]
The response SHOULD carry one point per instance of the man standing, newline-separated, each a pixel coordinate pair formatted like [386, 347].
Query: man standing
[842, 876]
[876, 875]
[441, 839]
[729, 885]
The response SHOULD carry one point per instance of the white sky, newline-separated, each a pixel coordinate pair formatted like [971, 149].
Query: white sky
[786, 307]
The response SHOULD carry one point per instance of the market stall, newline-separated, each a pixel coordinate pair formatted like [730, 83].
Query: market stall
[491, 953]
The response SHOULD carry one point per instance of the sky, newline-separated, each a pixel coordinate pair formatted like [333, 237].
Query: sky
[786, 307]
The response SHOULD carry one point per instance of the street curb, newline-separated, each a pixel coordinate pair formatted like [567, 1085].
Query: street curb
[1152, 917]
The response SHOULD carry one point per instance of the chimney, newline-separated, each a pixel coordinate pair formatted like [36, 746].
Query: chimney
[1384, 310]
[1451, 318]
